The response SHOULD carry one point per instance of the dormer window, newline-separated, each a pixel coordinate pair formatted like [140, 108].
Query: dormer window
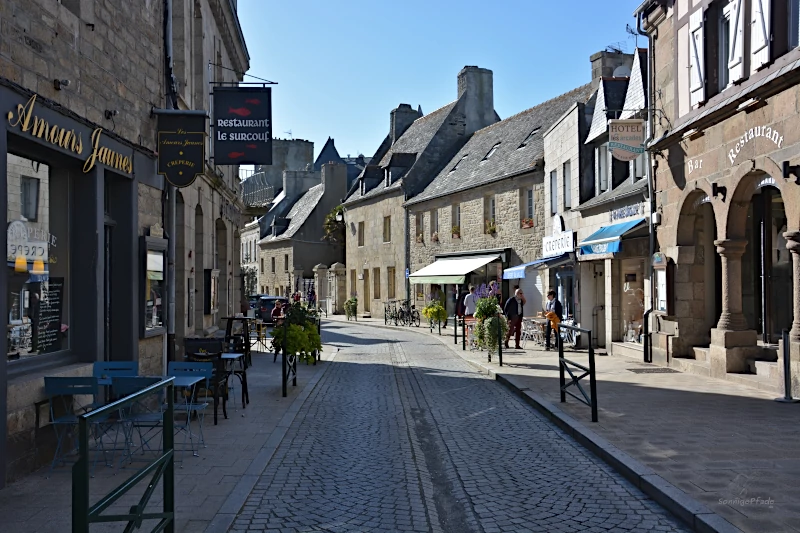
[491, 152]
[387, 176]
[363, 187]
[459, 162]
[529, 138]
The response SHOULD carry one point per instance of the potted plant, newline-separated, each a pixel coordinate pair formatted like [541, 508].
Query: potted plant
[487, 313]
[456, 232]
[351, 307]
[435, 237]
[302, 336]
[420, 238]
[491, 227]
[527, 223]
[434, 312]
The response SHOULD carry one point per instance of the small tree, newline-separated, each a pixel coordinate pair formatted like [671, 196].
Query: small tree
[334, 230]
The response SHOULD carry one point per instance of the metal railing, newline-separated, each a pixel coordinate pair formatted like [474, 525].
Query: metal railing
[565, 366]
[162, 468]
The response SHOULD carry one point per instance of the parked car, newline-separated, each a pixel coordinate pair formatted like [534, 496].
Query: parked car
[265, 306]
[254, 300]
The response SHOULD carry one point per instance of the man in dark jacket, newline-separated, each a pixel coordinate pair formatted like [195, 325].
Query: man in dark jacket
[553, 305]
[513, 311]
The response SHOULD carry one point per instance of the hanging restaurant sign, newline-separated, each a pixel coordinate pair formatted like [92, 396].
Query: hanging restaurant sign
[626, 139]
[242, 125]
[181, 146]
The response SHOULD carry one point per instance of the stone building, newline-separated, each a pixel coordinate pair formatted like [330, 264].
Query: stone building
[292, 245]
[486, 205]
[261, 187]
[378, 240]
[84, 201]
[725, 148]
[329, 154]
[249, 236]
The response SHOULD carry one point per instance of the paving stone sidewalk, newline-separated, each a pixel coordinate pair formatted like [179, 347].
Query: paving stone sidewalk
[729, 446]
[209, 489]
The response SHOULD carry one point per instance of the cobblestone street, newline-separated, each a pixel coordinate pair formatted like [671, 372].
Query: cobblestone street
[402, 435]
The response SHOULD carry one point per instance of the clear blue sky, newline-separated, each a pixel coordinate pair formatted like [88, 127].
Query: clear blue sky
[343, 65]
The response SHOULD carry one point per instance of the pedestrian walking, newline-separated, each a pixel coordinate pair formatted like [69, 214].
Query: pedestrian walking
[513, 311]
[553, 306]
[470, 301]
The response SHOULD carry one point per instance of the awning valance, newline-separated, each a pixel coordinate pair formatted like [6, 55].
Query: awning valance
[518, 272]
[607, 239]
[450, 270]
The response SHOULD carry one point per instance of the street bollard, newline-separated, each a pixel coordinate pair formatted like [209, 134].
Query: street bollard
[787, 372]
[499, 341]
[440, 327]
[464, 333]
[283, 359]
[455, 329]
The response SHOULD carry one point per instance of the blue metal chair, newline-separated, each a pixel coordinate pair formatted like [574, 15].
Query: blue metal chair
[105, 371]
[65, 409]
[192, 406]
[137, 416]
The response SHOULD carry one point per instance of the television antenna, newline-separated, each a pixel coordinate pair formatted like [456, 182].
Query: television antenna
[632, 33]
[289, 133]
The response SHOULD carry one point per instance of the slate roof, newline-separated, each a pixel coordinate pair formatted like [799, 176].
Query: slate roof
[611, 97]
[298, 214]
[636, 96]
[472, 170]
[414, 141]
[624, 190]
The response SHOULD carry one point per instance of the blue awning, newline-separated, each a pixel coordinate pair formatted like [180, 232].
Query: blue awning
[607, 239]
[518, 272]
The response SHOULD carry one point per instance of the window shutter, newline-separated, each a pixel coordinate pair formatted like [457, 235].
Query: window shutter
[735, 61]
[760, 33]
[697, 81]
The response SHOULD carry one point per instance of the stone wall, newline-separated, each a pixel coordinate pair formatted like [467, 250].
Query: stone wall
[376, 253]
[110, 50]
[276, 282]
[509, 211]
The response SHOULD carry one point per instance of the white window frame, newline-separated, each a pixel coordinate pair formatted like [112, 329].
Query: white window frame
[553, 192]
[734, 12]
[434, 221]
[761, 31]
[794, 24]
[724, 48]
[567, 171]
[456, 215]
[602, 168]
[492, 209]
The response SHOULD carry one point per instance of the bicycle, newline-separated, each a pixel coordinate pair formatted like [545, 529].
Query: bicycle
[412, 315]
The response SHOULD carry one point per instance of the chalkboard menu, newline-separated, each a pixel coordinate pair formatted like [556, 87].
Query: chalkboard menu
[50, 315]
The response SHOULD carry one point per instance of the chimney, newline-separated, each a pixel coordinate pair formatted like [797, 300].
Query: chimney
[400, 119]
[476, 85]
[334, 179]
[296, 183]
[607, 64]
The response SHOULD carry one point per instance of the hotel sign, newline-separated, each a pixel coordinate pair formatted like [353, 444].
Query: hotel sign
[26, 120]
[181, 147]
[626, 139]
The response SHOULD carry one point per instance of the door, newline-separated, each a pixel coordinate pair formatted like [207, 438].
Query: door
[367, 296]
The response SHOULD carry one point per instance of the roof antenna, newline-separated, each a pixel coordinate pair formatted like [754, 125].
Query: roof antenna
[632, 33]
[289, 133]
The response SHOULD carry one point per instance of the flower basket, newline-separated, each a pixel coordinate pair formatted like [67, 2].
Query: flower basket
[420, 238]
[491, 227]
[435, 237]
[351, 307]
[434, 312]
[526, 223]
[456, 232]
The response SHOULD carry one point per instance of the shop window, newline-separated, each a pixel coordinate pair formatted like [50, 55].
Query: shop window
[632, 299]
[390, 282]
[38, 245]
[154, 286]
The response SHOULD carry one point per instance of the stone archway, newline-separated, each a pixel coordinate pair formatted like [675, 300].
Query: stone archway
[697, 271]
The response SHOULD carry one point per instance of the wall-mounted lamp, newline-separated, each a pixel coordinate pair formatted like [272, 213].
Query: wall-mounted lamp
[59, 84]
[339, 217]
[749, 104]
[718, 190]
[111, 113]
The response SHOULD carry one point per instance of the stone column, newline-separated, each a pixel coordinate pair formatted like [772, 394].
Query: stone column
[321, 281]
[731, 318]
[793, 245]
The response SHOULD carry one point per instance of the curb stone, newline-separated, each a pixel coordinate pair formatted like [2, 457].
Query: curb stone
[226, 515]
[697, 516]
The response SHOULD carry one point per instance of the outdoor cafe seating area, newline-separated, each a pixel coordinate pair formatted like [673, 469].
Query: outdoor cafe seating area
[209, 379]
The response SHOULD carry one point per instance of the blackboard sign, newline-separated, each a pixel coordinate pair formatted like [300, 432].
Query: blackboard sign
[50, 315]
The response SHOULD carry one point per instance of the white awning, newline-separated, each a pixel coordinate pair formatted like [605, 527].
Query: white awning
[450, 270]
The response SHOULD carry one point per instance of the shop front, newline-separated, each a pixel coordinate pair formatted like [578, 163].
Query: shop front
[612, 264]
[73, 262]
[449, 277]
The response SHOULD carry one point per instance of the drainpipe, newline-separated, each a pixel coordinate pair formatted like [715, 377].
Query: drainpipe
[408, 249]
[648, 345]
[172, 103]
